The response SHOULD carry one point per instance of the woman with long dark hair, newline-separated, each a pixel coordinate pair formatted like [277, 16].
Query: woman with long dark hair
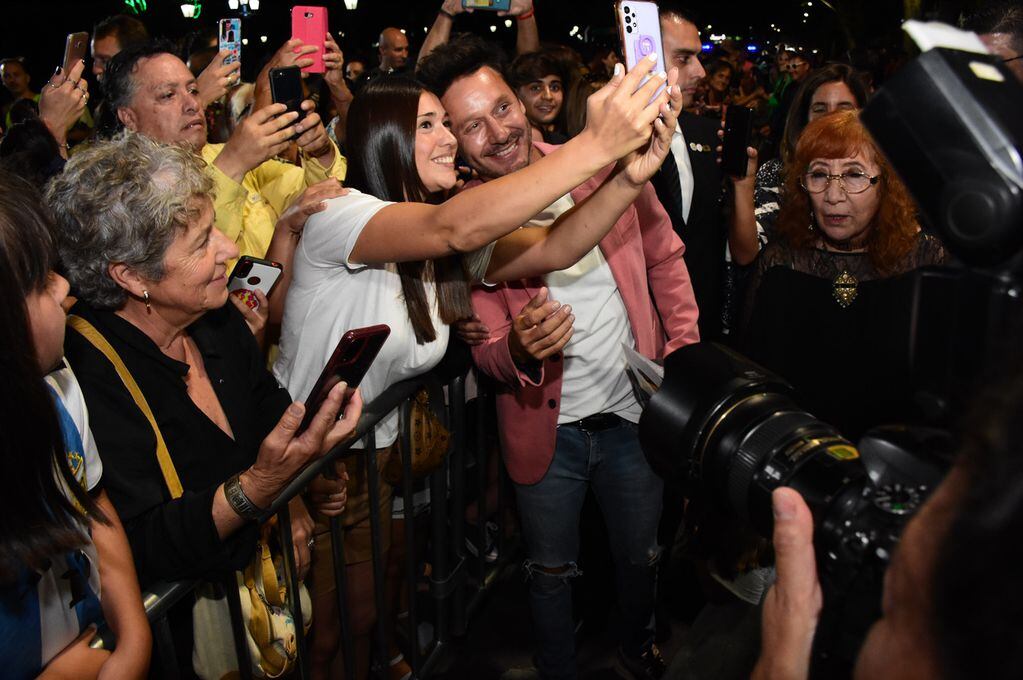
[394, 251]
[59, 534]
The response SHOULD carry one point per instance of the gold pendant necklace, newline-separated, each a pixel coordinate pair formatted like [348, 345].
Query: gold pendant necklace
[844, 288]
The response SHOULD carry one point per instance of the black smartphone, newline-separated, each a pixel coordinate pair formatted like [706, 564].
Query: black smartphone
[738, 135]
[351, 359]
[286, 88]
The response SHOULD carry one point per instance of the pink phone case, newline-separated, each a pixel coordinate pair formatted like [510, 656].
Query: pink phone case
[309, 24]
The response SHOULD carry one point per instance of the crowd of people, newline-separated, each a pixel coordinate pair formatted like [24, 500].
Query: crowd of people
[547, 210]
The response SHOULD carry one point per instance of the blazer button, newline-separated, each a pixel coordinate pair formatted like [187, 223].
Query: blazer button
[551, 403]
[555, 357]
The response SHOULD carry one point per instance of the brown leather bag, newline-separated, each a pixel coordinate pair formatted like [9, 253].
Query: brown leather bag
[430, 441]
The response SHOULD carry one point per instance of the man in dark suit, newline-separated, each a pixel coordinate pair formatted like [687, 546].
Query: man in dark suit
[689, 183]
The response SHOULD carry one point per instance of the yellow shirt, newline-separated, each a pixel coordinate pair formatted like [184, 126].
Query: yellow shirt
[247, 212]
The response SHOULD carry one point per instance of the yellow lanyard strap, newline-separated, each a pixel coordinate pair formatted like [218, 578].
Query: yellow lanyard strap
[89, 332]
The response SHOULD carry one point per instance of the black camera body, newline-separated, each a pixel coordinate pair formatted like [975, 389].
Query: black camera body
[722, 423]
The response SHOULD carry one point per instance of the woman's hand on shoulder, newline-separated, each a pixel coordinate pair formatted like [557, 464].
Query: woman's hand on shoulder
[309, 202]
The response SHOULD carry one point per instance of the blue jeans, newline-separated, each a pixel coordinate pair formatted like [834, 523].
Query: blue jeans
[629, 495]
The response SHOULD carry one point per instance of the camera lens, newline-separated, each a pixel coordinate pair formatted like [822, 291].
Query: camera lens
[628, 29]
[735, 429]
[254, 280]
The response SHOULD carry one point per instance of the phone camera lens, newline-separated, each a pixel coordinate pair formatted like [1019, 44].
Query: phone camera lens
[628, 10]
[628, 29]
[254, 280]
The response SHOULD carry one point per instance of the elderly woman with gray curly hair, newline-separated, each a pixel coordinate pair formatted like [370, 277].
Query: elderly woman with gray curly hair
[136, 236]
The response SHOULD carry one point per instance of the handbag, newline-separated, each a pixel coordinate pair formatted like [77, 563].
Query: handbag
[429, 441]
[269, 625]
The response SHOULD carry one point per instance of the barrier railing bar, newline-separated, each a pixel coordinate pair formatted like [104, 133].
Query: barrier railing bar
[294, 598]
[341, 585]
[456, 409]
[411, 563]
[168, 661]
[482, 476]
[381, 658]
[439, 548]
[238, 633]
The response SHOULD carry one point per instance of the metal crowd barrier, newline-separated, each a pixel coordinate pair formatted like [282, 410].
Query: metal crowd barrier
[454, 594]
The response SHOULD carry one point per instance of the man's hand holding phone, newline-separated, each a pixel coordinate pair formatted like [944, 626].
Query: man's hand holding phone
[312, 136]
[294, 52]
[218, 77]
[639, 166]
[260, 136]
[620, 116]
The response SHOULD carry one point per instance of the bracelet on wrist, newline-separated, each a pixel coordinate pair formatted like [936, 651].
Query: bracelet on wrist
[526, 15]
[239, 502]
[446, 13]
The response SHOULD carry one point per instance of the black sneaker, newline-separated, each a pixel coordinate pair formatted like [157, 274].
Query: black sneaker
[647, 666]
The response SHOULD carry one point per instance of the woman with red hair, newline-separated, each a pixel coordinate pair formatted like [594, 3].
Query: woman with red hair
[829, 302]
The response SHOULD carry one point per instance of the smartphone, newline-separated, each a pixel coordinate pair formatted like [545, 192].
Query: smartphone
[251, 274]
[490, 5]
[231, 39]
[74, 49]
[738, 135]
[286, 88]
[351, 359]
[639, 30]
[309, 24]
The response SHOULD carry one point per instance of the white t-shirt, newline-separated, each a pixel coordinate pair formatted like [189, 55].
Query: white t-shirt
[329, 296]
[594, 379]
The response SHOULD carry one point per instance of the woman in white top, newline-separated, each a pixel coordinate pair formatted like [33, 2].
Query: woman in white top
[392, 252]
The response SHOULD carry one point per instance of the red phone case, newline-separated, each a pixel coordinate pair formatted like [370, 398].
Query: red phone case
[309, 24]
[349, 362]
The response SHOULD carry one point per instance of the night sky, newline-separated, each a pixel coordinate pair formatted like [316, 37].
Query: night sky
[36, 29]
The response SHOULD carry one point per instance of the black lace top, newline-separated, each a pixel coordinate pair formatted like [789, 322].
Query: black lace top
[837, 329]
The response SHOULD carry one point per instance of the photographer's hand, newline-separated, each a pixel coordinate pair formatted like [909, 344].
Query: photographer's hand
[793, 604]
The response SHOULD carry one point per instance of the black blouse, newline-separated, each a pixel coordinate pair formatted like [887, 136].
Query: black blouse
[176, 539]
[838, 330]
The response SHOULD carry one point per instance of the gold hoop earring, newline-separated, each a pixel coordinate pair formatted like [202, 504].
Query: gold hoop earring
[145, 296]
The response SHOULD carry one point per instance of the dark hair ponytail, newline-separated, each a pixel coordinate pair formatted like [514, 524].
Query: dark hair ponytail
[381, 133]
[37, 519]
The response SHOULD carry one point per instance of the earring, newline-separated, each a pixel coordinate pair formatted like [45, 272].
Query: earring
[810, 225]
[145, 296]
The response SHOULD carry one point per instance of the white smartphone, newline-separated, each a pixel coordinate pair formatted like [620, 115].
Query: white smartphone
[639, 29]
[251, 274]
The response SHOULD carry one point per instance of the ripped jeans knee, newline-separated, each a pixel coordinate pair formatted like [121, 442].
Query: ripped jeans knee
[549, 579]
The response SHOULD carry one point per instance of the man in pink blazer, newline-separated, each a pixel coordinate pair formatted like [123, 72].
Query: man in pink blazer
[567, 414]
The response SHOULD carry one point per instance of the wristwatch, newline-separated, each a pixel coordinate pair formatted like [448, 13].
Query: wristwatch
[238, 501]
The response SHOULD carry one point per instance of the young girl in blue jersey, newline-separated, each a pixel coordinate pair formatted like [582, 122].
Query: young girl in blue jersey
[65, 564]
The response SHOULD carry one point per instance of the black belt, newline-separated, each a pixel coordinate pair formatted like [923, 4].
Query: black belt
[596, 422]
